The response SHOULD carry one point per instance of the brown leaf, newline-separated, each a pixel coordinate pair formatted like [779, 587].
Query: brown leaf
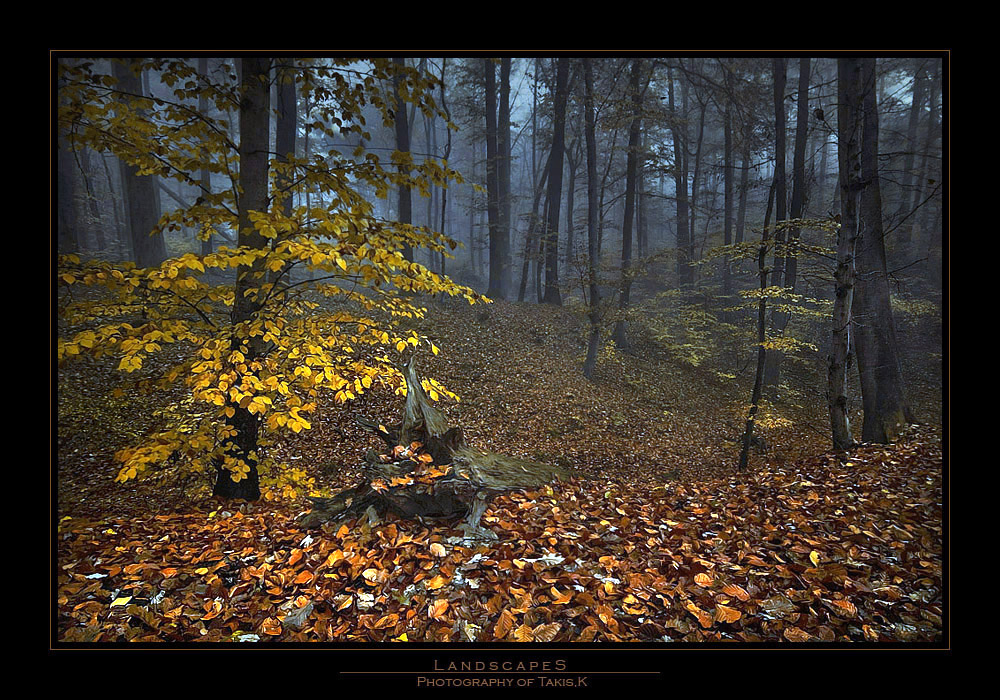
[546, 633]
[794, 634]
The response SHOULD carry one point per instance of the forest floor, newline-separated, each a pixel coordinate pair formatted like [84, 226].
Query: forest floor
[656, 538]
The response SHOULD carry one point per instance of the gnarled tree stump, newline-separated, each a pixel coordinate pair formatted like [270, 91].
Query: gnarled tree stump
[429, 471]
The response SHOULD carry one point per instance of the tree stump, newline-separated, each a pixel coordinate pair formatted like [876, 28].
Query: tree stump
[429, 471]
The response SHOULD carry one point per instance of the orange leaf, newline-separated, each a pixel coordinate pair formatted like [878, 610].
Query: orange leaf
[844, 607]
[736, 592]
[435, 583]
[437, 609]
[304, 577]
[704, 618]
[726, 614]
[271, 626]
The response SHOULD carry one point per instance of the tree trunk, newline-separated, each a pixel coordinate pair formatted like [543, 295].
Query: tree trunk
[779, 320]
[496, 286]
[405, 213]
[429, 471]
[886, 412]
[552, 293]
[592, 221]
[727, 200]
[141, 193]
[632, 156]
[253, 151]
[531, 237]
[685, 273]
[758, 384]
[906, 186]
[503, 178]
[68, 223]
[849, 128]
[205, 176]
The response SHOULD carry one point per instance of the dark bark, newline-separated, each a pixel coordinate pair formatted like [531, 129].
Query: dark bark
[140, 193]
[886, 411]
[780, 192]
[205, 176]
[849, 147]
[593, 214]
[474, 476]
[758, 384]
[531, 237]
[685, 273]
[67, 226]
[790, 268]
[496, 285]
[906, 185]
[621, 330]
[727, 204]
[552, 293]
[447, 155]
[253, 151]
[401, 120]
[503, 177]
[741, 209]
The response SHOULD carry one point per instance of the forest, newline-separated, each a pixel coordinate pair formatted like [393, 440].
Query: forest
[471, 350]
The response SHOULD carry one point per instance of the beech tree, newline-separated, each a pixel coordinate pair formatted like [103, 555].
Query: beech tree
[314, 305]
[886, 411]
[848, 153]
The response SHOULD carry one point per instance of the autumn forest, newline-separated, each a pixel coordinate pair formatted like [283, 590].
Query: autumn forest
[556, 350]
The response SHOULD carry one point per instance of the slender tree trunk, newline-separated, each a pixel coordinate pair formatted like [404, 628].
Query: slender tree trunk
[727, 205]
[570, 203]
[205, 176]
[780, 194]
[779, 319]
[621, 328]
[253, 151]
[849, 147]
[906, 186]
[741, 208]
[592, 216]
[496, 286]
[405, 213]
[284, 144]
[695, 181]
[503, 177]
[886, 412]
[447, 155]
[141, 194]
[552, 293]
[685, 273]
[531, 237]
[758, 383]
